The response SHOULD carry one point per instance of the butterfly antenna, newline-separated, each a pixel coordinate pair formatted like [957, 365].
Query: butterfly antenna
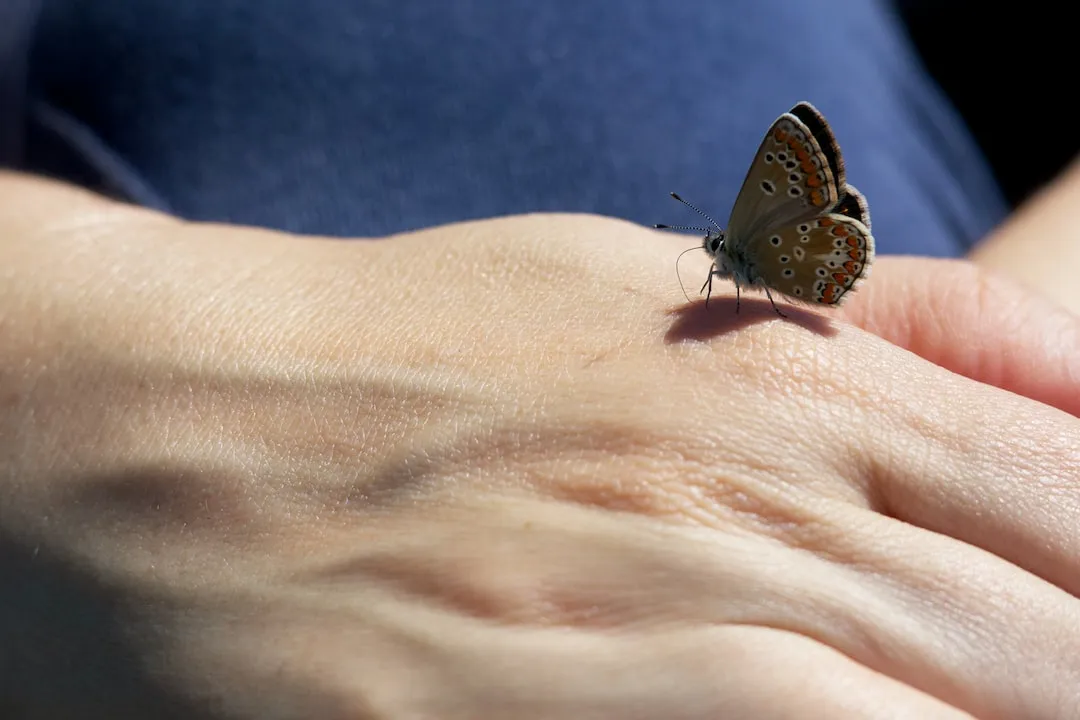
[678, 275]
[682, 227]
[699, 211]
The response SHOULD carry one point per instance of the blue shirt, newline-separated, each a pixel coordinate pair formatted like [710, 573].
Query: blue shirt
[372, 116]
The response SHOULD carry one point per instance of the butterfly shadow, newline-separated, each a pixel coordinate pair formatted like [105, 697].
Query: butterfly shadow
[694, 322]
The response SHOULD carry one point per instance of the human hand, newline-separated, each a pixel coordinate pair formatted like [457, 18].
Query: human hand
[1039, 245]
[502, 469]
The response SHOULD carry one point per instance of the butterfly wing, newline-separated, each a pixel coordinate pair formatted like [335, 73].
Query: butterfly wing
[819, 128]
[818, 260]
[791, 178]
[853, 204]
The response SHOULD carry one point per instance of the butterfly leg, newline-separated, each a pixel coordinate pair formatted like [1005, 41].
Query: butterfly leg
[708, 284]
[769, 295]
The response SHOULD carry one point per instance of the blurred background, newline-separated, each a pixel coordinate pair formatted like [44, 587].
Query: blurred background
[367, 117]
[1010, 70]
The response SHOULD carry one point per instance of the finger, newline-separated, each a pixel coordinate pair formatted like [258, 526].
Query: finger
[1039, 246]
[934, 614]
[976, 324]
[992, 469]
[776, 674]
[947, 618]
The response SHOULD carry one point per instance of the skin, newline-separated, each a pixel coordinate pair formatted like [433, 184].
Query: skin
[1040, 246]
[503, 469]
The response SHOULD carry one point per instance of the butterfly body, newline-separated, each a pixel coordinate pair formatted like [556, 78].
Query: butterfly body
[797, 227]
[732, 260]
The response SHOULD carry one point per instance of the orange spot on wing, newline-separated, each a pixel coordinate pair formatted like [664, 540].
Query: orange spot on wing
[855, 254]
[840, 278]
[828, 293]
[840, 231]
[817, 197]
[853, 241]
[780, 135]
[803, 155]
[807, 166]
[851, 266]
[825, 222]
[813, 181]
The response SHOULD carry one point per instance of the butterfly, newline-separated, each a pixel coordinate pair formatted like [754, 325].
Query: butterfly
[797, 227]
